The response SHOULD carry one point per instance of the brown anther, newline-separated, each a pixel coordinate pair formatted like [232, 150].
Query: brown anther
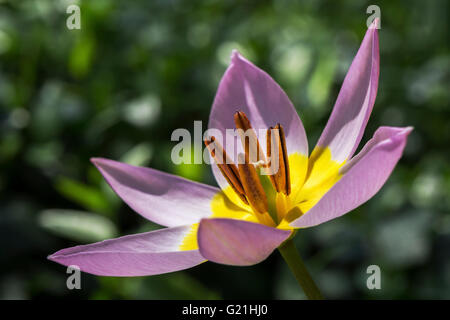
[252, 186]
[281, 178]
[253, 151]
[272, 162]
[226, 166]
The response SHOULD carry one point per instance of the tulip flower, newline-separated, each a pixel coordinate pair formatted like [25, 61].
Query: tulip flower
[250, 215]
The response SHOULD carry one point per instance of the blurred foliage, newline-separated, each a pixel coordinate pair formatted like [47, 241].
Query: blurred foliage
[77, 225]
[137, 70]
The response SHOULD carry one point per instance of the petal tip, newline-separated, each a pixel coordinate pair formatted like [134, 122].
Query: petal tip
[53, 257]
[408, 129]
[95, 160]
[235, 55]
[98, 162]
[403, 133]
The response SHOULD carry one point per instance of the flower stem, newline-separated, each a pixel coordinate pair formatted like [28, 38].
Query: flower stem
[295, 263]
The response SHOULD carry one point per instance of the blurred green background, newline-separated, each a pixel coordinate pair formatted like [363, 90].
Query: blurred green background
[137, 70]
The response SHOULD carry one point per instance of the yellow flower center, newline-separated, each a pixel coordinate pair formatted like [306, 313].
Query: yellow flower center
[274, 200]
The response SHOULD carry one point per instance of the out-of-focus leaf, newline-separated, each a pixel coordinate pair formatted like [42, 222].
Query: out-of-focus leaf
[319, 86]
[81, 57]
[143, 111]
[77, 225]
[188, 169]
[139, 155]
[293, 63]
[89, 197]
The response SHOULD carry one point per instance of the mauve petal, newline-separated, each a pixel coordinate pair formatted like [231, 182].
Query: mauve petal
[141, 254]
[160, 197]
[237, 242]
[362, 177]
[355, 101]
[245, 87]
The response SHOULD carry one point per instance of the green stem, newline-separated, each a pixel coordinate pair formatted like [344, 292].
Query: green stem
[295, 263]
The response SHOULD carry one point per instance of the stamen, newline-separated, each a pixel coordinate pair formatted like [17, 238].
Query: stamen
[271, 161]
[226, 166]
[252, 185]
[281, 178]
[285, 161]
[253, 151]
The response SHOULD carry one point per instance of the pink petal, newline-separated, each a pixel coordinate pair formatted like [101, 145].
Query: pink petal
[363, 176]
[244, 87]
[354, 104]
[237, 242]
[160, 197]
[141, 254]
